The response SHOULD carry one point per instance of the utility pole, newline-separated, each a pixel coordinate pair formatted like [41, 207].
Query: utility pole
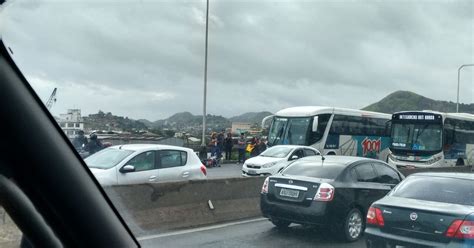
[459, 79]
[203, 153]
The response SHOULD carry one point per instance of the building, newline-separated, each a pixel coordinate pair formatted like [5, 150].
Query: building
[71, 122]
[241, 127]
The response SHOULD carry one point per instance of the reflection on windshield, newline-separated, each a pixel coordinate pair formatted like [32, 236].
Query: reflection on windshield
[276, 152]
[416, 137]
[107, 158]
[293, 131]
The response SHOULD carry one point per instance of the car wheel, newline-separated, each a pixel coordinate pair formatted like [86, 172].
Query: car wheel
[281, 224]
[460, 162]
[353, 225]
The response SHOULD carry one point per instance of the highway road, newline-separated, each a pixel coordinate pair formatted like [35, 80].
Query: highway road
[249, 233]
[225, 171]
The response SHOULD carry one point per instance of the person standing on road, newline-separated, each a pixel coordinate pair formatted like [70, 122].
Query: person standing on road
[261, 146]
[220, 144]
[254, 152]
[241, 145]
[228, 144]
[94, 144]
[213, 144]
[80, 141]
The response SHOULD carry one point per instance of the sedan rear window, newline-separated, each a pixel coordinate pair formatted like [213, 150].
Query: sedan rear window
[437, 189]
[312, 170]
[107, 158]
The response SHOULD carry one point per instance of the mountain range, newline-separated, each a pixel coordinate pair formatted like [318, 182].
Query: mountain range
[187, 122]
[406, 100]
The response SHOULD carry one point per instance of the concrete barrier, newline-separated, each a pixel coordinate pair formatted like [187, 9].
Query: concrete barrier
[155, 208]
[161, 207]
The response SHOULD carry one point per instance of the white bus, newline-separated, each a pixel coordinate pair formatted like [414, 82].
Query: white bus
[333, 131]
[429, 138]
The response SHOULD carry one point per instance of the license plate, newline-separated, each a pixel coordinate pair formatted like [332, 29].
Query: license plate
[289, 193]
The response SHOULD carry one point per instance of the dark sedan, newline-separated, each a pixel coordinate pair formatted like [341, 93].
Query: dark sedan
[333, 191]
[425, 210]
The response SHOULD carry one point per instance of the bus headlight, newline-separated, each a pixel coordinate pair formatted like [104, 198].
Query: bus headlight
[268, 165]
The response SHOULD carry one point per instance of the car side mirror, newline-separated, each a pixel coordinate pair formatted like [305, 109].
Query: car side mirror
[315, 124]
[127, 168]
[294, 157]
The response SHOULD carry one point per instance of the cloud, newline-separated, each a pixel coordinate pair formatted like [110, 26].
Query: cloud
[145, 59]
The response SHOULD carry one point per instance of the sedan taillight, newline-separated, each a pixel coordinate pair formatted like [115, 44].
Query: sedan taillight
[461, 229]
[375, 217]
[204, 170]
[325, 192]
[265, 186]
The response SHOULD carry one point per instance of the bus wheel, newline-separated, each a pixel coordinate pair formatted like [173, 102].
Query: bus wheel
[460, 162]
[331, 153]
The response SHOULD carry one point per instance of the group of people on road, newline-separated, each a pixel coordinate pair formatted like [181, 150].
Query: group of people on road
[220, 142]
[91, 146]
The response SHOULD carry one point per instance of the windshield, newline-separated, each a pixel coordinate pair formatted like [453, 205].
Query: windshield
[292, 131]
[197, 77]
[437, 189]
[107, 158]
[276, 152]
[313, 170]
[416, 137]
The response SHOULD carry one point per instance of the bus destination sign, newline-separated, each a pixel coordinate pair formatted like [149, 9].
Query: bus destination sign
[417, 117]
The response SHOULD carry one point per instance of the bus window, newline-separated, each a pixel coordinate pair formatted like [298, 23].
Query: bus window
[297, 131]
[322, 123]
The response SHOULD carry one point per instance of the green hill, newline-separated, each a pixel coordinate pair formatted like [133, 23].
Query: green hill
[406, 100]
[108, 121]
[251, 117]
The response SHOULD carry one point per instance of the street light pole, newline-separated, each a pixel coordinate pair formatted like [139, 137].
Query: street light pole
[203, 143]
[459, 77]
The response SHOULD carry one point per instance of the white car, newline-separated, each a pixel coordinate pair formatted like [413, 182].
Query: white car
[145, 163]
[275, 158]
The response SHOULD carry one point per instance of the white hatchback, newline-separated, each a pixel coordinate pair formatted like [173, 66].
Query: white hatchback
[275, 158]
[145, 163]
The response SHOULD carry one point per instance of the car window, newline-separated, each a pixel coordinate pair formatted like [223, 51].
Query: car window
[365, 173]
[309, 152]
[386, 175]
[107, 158]
[170, 158]
[437, 189]
[143, 161]
[312, 170]
[298, 153]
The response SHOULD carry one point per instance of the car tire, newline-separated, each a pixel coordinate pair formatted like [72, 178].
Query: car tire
[281, 224]
[353, 225]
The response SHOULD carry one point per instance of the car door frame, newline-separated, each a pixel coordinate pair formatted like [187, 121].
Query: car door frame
[144, 176]
[367, 192]
[174, 173]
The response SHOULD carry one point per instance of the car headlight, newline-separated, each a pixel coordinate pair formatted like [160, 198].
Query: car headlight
[268, 165]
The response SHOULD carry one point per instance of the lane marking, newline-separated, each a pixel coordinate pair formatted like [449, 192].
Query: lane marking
[200, 229]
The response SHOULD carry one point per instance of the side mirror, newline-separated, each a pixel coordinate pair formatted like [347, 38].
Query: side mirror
[315, 123]
[127, 168]
[294, 157]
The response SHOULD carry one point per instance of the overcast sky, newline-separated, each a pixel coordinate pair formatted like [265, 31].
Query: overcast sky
[145, 59]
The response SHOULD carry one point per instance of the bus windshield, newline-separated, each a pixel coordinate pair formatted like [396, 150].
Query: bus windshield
[417, 136]
[292, 131]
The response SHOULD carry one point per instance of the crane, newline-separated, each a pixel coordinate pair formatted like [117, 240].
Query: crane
[51, 100]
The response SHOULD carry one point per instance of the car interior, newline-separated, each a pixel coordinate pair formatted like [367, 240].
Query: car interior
[44, 185]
